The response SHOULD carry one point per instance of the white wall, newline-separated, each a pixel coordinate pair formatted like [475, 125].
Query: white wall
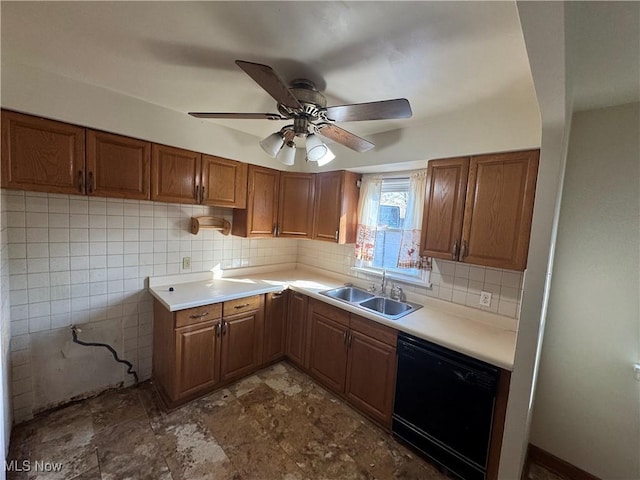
[6, 417]
[587, 407]
[472, 130]
[84, 260]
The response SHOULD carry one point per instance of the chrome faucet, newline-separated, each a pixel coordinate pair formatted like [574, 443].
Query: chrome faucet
[397, 293]
[383, 286]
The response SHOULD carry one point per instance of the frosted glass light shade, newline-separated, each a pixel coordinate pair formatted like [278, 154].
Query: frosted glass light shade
[272, 144]
[316, 149]
[287, 154]
[326, 158]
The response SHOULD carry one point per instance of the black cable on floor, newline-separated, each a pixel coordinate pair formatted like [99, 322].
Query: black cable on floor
[130, 371]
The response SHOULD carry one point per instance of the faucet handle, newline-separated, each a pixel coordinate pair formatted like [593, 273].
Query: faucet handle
[372, 288]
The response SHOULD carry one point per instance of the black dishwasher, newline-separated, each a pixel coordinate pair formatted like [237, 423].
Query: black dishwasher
[444, 405]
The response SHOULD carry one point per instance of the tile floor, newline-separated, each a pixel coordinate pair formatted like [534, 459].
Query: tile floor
[276, 424]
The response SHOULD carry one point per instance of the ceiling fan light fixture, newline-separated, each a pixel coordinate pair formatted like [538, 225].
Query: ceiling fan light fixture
[272, 144]
[287, 154]
[316, 149]
[326, 158]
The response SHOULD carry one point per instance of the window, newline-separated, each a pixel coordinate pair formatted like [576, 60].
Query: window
[389, 218]
[391, 214]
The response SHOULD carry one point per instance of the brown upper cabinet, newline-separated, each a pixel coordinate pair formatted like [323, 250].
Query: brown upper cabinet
[183, 176]
[42, 155]
[295, 205]
[260, 218]
[224, 182]
[175, 174]
[335, 215]
[117, 166]
[49, 156]
[279, 204]
[478, 210]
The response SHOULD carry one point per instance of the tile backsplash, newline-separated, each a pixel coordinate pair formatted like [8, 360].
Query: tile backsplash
[83, 261]
[451, 281]
[75, 260]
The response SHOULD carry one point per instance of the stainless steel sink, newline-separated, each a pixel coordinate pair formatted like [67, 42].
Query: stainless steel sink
[386, 307]
[348, 294]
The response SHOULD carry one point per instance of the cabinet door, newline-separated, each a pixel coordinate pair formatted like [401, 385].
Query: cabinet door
[296, 343]
[295, 207]
[275, 324]
[118, 166]
[335, 216]
[371, 376]
[328, 343]
[41, 155]
[444, 207]
[224, 182]
[197, 354]
[260, 217]
[328, 206]
[175, 175]
[499, 208]
[241, 344]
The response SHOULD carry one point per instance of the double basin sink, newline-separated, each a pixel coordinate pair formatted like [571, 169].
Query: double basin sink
[386, 307]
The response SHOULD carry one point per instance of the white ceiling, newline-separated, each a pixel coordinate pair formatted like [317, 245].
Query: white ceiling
[442, 56]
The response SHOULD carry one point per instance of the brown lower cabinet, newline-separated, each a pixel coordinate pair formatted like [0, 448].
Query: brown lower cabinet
[204, 347]
[275, 326]
[296, 342]
[355, 357]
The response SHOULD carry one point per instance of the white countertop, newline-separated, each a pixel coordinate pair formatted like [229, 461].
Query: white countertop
[482, 335]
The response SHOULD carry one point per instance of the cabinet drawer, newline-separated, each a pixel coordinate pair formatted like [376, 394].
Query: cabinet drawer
[375, 330]
[329, 311]
[241, 305]
[195, 315]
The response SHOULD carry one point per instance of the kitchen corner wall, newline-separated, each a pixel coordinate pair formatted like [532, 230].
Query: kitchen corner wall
[451, 281]
[75, 260]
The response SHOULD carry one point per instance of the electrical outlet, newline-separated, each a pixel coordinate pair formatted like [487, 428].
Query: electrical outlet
[186, 263]
[485, 299]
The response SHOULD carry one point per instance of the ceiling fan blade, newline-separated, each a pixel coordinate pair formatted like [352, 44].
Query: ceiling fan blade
[382, 110]
[268, 79]
[239, 116]
[344, 137]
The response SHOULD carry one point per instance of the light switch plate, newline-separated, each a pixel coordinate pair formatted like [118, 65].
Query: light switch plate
[186, 263]
[485, 299]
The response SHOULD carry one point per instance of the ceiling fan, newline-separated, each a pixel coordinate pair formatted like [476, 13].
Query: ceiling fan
[302, 103]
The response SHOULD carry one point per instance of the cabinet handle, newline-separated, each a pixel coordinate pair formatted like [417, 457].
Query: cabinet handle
[344, 337]
[80, 181]
[238, 307]
[337, 234]
[202, 194]
[90, 186]
[224, 327]
[218, 329]
[349, 340]
[463, 250]
[454, 253]
[200, 315]
[275, 230]
[197, 193]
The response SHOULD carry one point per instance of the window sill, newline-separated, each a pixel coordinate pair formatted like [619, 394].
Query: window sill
[423, 281]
